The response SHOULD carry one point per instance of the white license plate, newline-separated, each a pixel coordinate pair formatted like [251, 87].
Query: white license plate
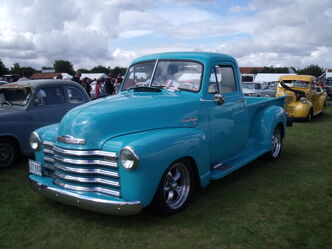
[35, 167]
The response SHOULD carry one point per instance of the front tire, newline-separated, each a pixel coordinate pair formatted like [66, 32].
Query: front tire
[275, 152]
[175, 188]
[8, 152]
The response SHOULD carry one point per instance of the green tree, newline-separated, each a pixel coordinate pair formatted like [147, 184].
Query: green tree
[27, 71]
[3, 68]
[314, 70]
[118, 70]
[100, 69]
[84, 70]
[62, 66]
[47, 68]
[16, 69]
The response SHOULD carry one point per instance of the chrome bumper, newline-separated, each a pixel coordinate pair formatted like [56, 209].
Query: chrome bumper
[85, 202]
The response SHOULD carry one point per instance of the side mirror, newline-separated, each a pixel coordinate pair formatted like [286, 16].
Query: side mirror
[219, 99]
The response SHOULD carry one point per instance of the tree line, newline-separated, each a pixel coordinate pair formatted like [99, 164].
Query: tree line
[63, 66]
[59, 66]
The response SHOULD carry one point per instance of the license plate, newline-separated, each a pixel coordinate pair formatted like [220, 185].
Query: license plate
[35, 167]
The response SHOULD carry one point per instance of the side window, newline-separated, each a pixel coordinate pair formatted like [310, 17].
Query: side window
[75, 95]
[49, 96]
[222, 80]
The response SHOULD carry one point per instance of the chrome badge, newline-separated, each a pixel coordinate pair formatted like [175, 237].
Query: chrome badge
[70, 140]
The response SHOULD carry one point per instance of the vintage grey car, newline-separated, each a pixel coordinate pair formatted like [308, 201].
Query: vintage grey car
[258, 90]
[27, 105]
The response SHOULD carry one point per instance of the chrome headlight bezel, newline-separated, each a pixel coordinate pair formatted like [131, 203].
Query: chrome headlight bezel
[35, 141]
[303, 100]
[128, 158]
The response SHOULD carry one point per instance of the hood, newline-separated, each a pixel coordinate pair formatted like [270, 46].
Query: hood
[129, 112]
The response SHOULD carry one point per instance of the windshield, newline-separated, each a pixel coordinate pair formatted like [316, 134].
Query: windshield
[18, 96]
[173, 75]
[247, 78]
[251, 86]
[295, 83]
[328, 82]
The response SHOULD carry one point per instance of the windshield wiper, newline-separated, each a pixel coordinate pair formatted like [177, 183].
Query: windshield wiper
[6, 102]
[144, 89]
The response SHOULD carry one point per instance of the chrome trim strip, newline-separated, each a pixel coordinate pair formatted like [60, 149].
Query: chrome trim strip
[86, 171]
[87, 189]
[47, 151]
[153, 72]
[87, 179]
[68, 139]
[48, 159]
[48, 143]
[84, 152]
[95, 204]
[85, 162]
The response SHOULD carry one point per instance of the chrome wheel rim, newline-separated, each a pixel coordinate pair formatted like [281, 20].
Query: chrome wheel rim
[176, 185]
[4, 152]
[276, 143]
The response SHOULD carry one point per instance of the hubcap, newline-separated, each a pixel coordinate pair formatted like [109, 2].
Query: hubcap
[4, 152]
[276, 143]
[176, 185]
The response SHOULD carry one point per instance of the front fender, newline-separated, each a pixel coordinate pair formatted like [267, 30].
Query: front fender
[157, 150]
[265, 121]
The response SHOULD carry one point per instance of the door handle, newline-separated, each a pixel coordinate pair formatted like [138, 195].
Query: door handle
[240, 100]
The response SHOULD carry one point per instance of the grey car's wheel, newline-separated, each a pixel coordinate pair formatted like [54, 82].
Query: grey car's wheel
[276, 144]
[175, 188]
[8, 152]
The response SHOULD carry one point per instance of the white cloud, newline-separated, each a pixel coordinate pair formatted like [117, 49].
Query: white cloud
[113, 32]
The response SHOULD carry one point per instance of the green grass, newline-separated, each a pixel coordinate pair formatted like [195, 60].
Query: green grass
[281, 204]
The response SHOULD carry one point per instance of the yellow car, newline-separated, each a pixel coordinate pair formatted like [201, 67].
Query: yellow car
[305, 97]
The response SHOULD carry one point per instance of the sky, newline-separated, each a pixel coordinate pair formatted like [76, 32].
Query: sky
[112, 33]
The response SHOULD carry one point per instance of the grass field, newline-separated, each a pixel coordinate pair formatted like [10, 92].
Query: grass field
[281, 204]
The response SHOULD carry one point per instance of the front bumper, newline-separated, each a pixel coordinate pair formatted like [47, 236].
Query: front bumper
[83, 201]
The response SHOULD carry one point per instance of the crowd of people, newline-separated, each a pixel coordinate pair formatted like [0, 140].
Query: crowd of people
[99, 87]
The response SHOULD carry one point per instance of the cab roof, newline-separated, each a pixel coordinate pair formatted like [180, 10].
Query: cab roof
[37, 84]
[203, 57]
[309, 78]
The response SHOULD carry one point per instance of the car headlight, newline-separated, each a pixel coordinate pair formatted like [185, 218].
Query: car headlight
[129, 158]
[303, 100]
[35, 141]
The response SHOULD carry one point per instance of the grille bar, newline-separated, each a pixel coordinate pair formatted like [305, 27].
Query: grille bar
[87, 179]
[84, 162]
[86, 171]
[88, 189]
[84, 152]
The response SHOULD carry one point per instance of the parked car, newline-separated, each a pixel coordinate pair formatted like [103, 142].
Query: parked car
[305, 98]
[187, 122]
[328, 87]
[28, 105]
[258, 90]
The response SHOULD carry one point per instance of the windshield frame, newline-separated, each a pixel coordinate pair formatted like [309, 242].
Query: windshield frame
[155, 69]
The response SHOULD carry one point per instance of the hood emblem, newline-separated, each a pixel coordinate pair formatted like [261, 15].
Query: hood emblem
[70, 140]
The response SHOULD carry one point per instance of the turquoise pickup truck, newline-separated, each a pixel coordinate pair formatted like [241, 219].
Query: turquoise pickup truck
[179, 120]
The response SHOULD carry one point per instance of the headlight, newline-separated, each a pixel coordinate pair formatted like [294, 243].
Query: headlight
[34, 141]
[128, 158]
[303, 100]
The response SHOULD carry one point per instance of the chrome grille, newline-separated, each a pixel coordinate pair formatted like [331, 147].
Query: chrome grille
[82, 170]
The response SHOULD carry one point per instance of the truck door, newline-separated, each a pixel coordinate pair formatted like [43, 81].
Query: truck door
[228, 121]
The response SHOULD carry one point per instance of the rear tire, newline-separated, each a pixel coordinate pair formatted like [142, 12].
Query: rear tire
[275, 152]
[8, 152]
[175, 188]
